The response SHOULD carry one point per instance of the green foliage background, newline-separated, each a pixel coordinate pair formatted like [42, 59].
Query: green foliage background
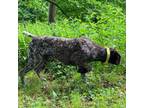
[63, 87]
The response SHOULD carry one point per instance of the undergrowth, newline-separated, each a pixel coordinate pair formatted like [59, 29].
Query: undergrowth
[63, 87]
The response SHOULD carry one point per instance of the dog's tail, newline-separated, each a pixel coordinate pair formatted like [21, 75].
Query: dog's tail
[28, 34]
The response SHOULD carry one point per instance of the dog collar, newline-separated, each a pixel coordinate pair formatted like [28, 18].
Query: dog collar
[108, 55]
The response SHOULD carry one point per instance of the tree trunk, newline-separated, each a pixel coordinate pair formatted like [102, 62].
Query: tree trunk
[52, 12]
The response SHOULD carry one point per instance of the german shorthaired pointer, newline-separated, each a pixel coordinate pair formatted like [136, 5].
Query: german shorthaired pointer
[78, 52]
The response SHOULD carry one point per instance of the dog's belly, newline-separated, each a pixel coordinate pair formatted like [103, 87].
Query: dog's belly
[63, 56]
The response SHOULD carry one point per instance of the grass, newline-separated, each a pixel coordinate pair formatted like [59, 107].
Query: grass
[63, 87]
[70, 93]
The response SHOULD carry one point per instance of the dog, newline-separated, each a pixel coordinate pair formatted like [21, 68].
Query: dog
[78, 52]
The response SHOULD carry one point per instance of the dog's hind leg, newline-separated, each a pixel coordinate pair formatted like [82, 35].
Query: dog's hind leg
[39, 68]
[26, 69]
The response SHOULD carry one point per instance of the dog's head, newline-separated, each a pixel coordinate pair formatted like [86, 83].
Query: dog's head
[114, 57]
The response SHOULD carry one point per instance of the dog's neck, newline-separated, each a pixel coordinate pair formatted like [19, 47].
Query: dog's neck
[101, 54]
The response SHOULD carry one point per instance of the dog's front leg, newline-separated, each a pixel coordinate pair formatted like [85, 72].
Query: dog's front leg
[83, 69]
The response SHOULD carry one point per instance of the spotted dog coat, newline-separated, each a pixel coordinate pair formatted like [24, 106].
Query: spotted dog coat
[78, 52]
